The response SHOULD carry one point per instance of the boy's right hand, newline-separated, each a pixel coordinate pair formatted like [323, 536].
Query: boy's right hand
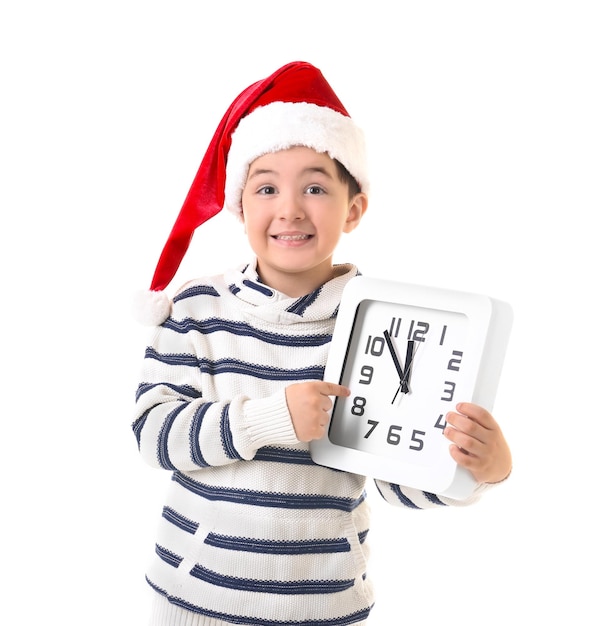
[308, 404]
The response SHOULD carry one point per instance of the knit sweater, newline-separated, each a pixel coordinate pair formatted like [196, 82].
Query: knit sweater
[252, 531]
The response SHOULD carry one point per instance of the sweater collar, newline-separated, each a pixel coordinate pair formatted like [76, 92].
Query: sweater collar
[274, 306]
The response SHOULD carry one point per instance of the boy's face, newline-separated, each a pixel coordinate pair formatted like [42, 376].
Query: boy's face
[295, 209]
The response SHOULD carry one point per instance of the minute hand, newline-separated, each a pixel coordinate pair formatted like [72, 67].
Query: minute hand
[390, 345]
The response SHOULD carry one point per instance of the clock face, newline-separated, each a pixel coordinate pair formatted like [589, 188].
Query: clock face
[390, 413]
[409, 354]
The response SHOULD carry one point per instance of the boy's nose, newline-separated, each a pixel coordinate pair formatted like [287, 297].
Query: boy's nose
[291, 209]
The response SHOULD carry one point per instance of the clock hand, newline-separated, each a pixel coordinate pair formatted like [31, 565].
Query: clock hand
[396, 394]
[390, 345]
[408, 367]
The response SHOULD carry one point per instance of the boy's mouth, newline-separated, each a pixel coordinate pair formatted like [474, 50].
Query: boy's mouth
[301, 237]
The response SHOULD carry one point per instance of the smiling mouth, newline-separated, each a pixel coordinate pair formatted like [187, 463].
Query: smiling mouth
[292, 237]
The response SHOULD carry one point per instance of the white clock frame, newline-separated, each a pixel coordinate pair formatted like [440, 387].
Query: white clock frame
[489, 326]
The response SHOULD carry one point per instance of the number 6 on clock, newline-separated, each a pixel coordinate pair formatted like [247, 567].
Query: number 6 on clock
[409, 353]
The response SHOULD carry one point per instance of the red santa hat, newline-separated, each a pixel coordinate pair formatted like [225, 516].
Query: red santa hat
[294, 106]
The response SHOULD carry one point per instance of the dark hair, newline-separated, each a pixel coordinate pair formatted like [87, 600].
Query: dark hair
[346, 177]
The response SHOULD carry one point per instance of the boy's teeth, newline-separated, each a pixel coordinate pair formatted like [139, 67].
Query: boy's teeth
[292, 237]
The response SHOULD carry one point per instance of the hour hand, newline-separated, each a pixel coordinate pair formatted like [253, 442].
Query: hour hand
[404, 374]
[408, 367]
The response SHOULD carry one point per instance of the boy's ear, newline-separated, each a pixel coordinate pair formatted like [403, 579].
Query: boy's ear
[357, 208]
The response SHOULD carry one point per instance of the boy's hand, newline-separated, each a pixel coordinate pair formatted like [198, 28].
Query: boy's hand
[479, 444]
[308, 404]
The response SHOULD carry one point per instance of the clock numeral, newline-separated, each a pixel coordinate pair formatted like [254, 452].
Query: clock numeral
[454, 363]
[448, 391]
[375, 345]
[418, 443]
[418, 330]
[395, 326]
[441, 422]
[393, 435]
[374, 425]
[358, 406]
[367, 371]
[443, 333]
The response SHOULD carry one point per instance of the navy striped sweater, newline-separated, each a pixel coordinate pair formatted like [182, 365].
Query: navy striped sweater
[252, 531]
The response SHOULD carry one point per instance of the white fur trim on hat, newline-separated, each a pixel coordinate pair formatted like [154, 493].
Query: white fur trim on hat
[151, 308]
[282, 125]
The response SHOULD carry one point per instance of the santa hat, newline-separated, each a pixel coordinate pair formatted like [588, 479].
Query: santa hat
[294, 106]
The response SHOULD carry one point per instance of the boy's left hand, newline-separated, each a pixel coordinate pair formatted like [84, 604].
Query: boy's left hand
[478, 443]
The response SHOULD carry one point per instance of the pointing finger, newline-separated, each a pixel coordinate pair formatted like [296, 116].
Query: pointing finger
[332, 389]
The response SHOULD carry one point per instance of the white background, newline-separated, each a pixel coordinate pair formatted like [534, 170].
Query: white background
[490, 133]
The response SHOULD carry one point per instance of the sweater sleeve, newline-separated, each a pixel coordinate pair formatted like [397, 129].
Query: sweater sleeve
[178, 429]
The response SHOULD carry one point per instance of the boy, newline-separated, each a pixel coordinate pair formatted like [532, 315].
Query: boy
[253, 532]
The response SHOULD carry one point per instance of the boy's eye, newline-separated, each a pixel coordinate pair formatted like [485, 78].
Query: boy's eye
[314, 190]
[266, 190]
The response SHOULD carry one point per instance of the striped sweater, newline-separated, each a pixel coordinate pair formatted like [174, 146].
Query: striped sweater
[252, 531]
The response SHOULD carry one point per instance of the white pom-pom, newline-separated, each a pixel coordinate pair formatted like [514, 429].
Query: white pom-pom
[151, 308]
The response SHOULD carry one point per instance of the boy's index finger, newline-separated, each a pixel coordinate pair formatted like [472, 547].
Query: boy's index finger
[332, 389]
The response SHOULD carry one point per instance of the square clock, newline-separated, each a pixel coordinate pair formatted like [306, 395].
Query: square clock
[409, 354]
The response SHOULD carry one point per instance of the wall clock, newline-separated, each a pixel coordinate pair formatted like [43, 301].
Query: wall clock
[409, 354]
